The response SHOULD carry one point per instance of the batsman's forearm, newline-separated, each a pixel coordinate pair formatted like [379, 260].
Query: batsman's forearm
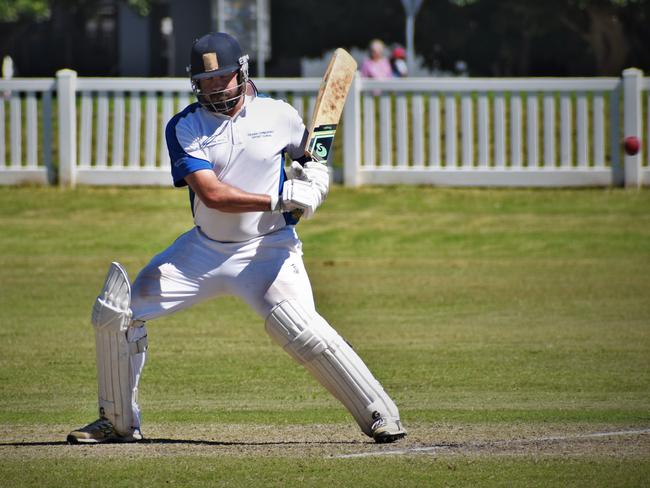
[233, 200]
[223, 197]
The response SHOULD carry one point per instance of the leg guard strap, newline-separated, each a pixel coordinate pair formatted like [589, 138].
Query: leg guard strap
[139, 346]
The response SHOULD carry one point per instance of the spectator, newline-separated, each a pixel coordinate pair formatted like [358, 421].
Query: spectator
[398, 62]
[376, 65]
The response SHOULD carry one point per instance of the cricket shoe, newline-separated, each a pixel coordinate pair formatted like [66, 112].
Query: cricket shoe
[101, 430]
[385, 431]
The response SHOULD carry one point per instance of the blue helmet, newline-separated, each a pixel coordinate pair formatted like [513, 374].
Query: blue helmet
[218, 54]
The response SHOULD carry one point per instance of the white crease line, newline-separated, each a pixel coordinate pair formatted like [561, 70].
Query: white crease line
[395, 452]
[586, 436]
[398, 452]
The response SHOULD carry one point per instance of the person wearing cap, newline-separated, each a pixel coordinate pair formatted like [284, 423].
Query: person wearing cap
[229, 149]
[398, 62]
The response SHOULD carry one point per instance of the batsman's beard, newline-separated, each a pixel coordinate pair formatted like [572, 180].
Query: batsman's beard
[221, 101]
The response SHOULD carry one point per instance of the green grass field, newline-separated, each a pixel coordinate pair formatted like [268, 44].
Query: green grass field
[512, 327]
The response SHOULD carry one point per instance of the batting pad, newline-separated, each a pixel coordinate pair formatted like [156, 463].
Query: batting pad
[312, 342]
[111, 318]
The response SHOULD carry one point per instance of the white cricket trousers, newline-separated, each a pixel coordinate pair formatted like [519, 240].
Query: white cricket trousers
[263, 271]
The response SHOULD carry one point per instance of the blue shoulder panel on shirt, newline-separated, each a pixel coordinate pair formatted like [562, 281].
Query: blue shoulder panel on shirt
[182, 163]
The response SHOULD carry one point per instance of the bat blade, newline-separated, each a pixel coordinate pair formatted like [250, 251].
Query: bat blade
[333, 91]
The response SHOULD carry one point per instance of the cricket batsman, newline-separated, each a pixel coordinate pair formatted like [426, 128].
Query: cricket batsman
[228, 148]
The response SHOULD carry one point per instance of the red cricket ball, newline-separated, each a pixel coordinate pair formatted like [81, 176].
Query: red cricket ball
[631, 144]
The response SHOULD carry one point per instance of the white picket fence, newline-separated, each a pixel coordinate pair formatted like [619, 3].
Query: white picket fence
[28, 156]
[441, 131]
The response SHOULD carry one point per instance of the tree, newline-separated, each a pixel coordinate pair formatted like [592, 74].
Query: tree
[566, 36]
[494, 37]
[61, 32]
[14, 10]
[598, 23]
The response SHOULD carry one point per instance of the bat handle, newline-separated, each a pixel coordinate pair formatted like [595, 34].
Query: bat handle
[313, 157]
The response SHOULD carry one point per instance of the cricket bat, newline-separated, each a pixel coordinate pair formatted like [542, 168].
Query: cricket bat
[329, 105]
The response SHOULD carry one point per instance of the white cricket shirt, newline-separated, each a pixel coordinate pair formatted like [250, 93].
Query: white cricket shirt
[245, 151]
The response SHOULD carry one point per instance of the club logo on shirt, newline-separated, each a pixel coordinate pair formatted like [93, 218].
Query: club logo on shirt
[261, 134]
[213, 140]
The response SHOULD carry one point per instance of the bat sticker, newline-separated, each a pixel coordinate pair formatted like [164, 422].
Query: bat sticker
[321, 142]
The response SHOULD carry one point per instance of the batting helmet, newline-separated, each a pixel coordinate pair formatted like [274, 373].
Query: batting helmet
[218, 54]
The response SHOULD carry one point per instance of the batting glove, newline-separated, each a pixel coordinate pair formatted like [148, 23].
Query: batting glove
[296, 172]
[318, 174]
[301, 195]
[279, 205]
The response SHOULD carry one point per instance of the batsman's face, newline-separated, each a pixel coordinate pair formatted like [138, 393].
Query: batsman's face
[219, 88]
[221, 94]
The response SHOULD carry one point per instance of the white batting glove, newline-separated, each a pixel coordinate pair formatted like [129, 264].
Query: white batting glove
[305, 189]
[279, 205]
[318, 174]
[296, 172]
[302, 195]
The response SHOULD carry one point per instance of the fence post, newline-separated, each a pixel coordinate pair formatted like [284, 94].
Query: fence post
[632, 79]
[352, 134]
[66, 87]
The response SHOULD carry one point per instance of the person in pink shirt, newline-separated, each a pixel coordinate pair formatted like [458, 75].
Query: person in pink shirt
[376, 65]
